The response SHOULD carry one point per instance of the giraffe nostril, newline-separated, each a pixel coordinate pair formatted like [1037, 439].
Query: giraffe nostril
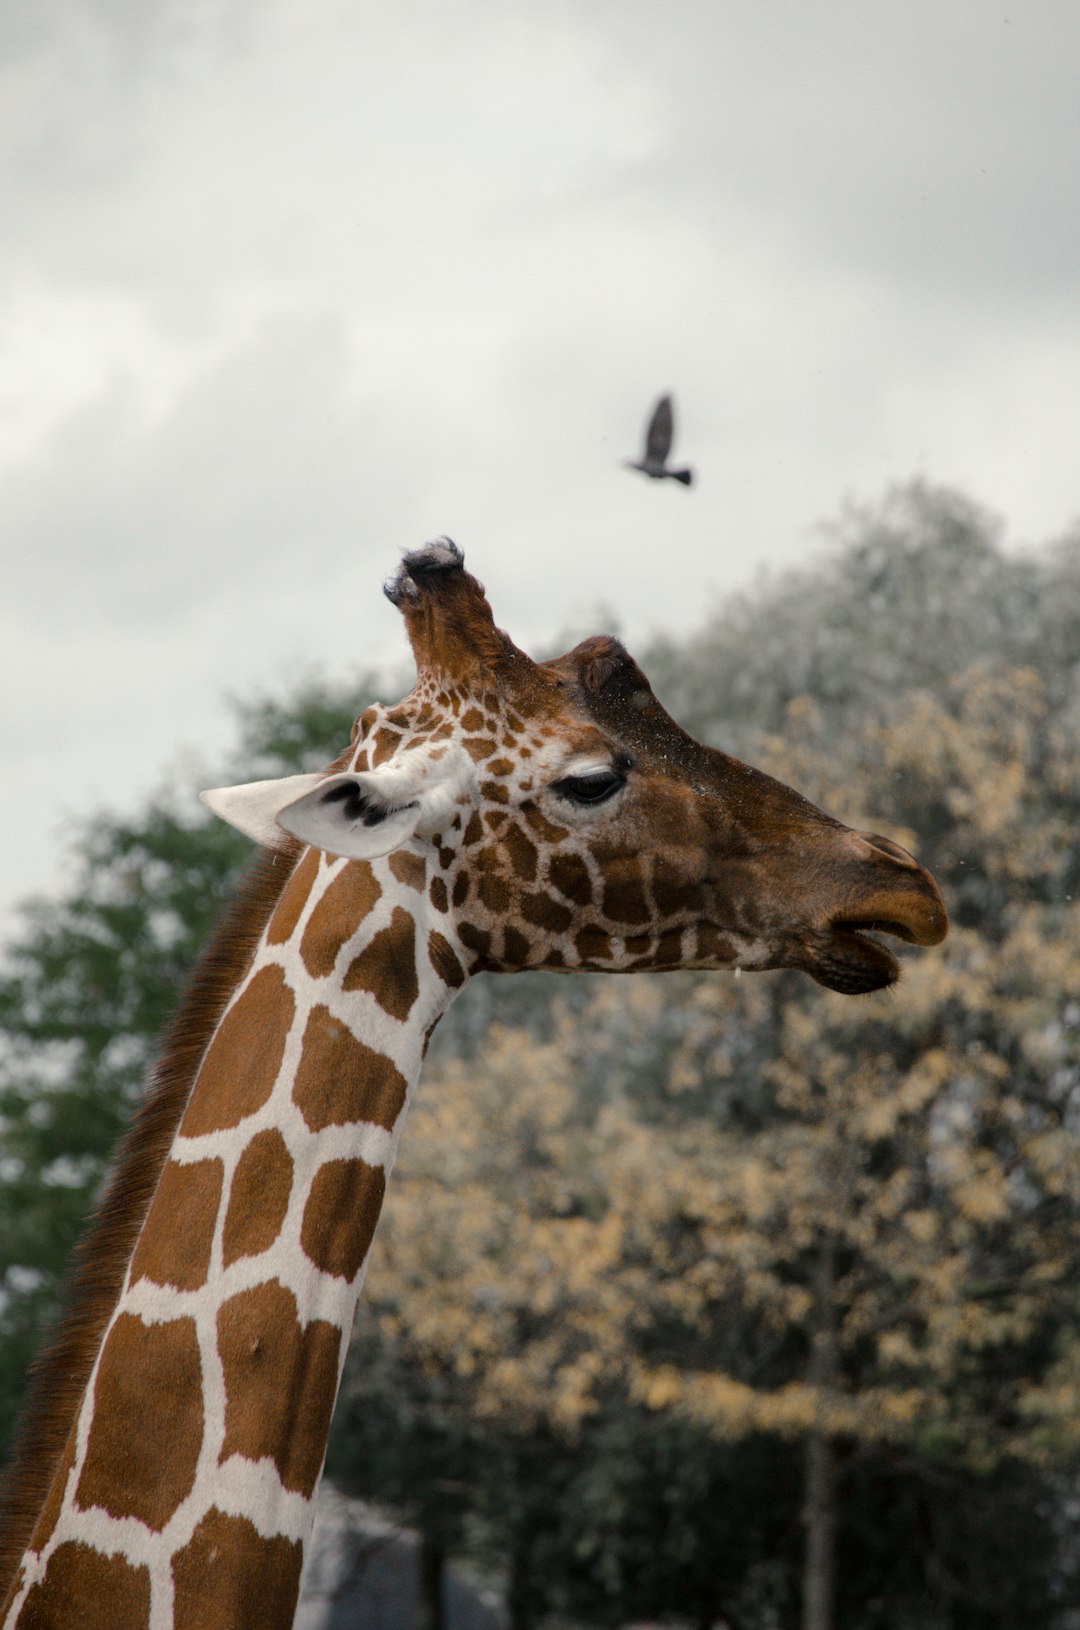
[872, 846]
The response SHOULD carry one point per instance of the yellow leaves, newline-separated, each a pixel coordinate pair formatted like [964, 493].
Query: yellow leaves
[661, 1388]
[923, 1226]
[897, 1409]
[1055, 1155]
[732, 1408]
[757, 1184]
[979, 1188]
[896, 1348]
[532, 1246]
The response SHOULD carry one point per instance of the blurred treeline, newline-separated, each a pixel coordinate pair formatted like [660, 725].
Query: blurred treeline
[725, 1301]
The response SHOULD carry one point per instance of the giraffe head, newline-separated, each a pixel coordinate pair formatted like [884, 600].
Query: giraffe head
[566, 821]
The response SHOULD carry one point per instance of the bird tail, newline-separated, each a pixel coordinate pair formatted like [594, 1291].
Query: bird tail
[685, 476]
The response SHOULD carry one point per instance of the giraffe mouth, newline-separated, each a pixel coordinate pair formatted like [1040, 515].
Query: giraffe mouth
[850, 957]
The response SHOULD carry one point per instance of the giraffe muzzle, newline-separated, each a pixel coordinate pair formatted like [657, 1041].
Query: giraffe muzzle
[889, 894]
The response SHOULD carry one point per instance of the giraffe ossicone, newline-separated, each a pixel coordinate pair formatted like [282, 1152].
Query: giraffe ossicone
[506, 815]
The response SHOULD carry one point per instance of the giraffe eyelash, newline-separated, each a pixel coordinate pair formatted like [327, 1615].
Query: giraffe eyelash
[595, 787]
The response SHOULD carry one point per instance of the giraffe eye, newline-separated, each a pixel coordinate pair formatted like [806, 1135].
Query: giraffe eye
[594, 788]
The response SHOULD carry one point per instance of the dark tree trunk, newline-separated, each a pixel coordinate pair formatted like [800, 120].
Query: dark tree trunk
[519, 1604]
[819, 1510]
[819, 1557]
[430, 1572]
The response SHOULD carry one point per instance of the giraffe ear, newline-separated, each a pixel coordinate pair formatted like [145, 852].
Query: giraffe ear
[360, 814]
[253, 807]
[366, 813]
[353, 814]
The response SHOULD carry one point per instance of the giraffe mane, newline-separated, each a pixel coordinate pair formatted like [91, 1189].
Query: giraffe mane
[59, 1377]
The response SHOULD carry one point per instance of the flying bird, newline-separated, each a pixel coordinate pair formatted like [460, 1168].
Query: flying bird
[658, 438]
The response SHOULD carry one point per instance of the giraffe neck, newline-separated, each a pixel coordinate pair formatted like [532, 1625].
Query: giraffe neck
[185, 1495]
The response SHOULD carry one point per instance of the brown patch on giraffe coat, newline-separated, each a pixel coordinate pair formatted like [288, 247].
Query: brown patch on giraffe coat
[444, 960]
[174, 1246]
[292, 902]
[570, 876]
[675, 895]
[438, 896]
[229, 1574]
[669, 949]
[408, 868]
[341, 1080]
[495, 820]
[495, 792]
[593, 945]
[383, 746]
[258, 1197]
[474, 937]
[387, 967]
[522, 852]
[501, 766]
[462, 885]
[105, 1592]
[516, 948]
[494, 893]
[338, 915]
[147, 1424]
[625, 900]
[280, 1382]
[242, 1062]
[341, 1214]
[481, 747]
[474, 830]
[472, 719]
[544, 912]
[546, 830]
[712, 945]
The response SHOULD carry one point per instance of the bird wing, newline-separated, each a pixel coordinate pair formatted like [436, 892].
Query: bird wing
[660, 431]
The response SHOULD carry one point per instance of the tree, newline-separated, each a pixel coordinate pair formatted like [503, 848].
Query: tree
[664, 1258]
[772, 1212]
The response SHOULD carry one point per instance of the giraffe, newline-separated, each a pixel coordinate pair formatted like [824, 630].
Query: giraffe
[506, 815]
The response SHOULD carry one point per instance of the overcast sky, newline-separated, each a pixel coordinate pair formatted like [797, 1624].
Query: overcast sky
[287, 286]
